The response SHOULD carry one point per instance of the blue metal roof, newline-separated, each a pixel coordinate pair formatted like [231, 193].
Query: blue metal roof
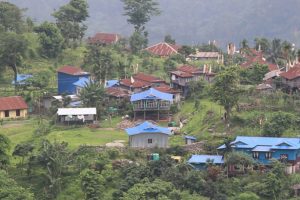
[262, 148]
[82, 82]
[151, 94]
[147, 127]
[21, 78]
[190, 137]
[200, 159]
[247, 142]
[111, 83]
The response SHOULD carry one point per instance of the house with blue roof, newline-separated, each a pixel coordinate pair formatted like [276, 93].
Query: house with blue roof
[151, 103]
[21, 79]
[148, 135]
[201, 161]
[263, 149]
[67, 76]
[81, 83]
[189, 139]
[111, 83]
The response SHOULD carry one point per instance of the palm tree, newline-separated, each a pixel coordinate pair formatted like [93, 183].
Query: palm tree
[93, 95]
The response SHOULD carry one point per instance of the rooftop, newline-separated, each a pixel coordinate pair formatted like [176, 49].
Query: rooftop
[21, 78]
[205, 55]
[163, 49]
[147, 78]
[12, 103]
[151, 94]
[292, 73]
[248, 142]
[71, 70]
[134, 83]
[76, 111]
[117, 92]
[147, 127]
[202, 159]
[106, 38]
[82, 82]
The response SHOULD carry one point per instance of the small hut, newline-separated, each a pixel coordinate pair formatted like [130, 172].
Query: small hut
[76, 115]
[189, 139]
[148, 135]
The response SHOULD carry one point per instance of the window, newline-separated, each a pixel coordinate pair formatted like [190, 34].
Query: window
[6, 113]
[283, 157]
[18, 113]
[268, 155]
[255, 154]
[149, 141]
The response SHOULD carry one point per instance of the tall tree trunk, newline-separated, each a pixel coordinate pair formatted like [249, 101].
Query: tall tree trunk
[14, 68]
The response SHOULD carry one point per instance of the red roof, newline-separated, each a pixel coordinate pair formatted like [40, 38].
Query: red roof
[166, 89]
[189, 69]
[117, 92]
[163, 49]
[105, 38]
[136, 84]
[258, 59]
[71, 70]
[12, 103]
[292, 73]
[147, 78]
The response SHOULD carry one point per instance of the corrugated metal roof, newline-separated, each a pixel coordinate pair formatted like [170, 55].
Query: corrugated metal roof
[151, 94]
[248, 142]
[292, 73]
[163, 49]
[106, 38]
[71, 70]
[262, 148]
[147, 127]
[111, 83]
[82, 82]
[12, 103]
[200, 159]
[76, 111]
[205, 55]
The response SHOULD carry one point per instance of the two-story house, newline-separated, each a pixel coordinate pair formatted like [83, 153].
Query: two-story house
[152, 104]
[263, 149]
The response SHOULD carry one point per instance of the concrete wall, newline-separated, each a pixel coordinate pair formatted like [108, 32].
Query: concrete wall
[12, 114]
[141, 140]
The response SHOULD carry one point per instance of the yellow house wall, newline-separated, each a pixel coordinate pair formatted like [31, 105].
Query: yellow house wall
[12, 114]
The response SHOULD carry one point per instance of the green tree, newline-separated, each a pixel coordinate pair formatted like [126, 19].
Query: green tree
[138, 41]
[92, 184]
[55, 158]
[70, 18]
[10, 17]
[39, 80]
[225, 89]
[12, 51]
[186, 50]
[262, 44]
[157, 189]
[10, 190]
[50, 38]
[247, 196]
[4, 149]
[278, 123]
[239, 159]
[23, 150]
[101, 62]
[93, 95]
[169, 39]
[139, 12]
[253, 75]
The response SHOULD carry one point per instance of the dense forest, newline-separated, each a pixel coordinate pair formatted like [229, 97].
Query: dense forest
[190, 23]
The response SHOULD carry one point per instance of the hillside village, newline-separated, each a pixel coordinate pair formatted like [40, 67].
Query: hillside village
[108, 117]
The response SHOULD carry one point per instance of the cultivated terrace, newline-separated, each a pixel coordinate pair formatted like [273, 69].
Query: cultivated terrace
[109, 117]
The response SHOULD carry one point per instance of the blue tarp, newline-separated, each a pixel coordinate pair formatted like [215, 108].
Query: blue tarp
[248, 142]
[21, 78]
[147, 127]
[82, 82]
[190, 137]
[151, 94]
[111, 83]
[202, 159]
